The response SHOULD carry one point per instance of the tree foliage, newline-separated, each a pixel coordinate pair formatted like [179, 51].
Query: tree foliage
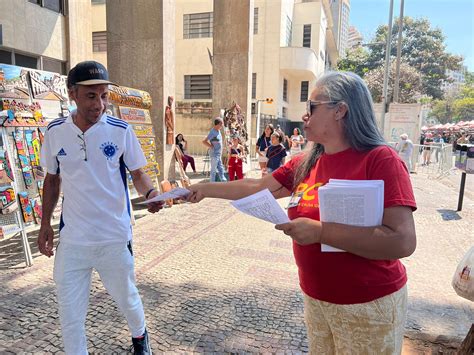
[410, 87]
[355, 61]
[464, 109]
[456, 107]
[423, 48]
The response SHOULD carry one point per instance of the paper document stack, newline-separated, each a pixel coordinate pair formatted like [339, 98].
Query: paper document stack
[353, 202]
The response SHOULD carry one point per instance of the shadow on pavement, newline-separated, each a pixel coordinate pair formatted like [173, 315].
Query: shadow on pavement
[449, 215]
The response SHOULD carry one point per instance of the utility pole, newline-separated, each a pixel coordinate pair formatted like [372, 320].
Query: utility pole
[387, 68]
[396, 86]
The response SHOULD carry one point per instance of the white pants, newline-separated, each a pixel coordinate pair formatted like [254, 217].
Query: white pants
[73, 267]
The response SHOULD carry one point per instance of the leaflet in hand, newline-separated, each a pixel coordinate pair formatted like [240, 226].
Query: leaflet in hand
[352, 202]
[177, 192]
[263, 206]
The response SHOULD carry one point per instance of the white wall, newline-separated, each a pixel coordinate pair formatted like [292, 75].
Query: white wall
[192, 57]
[32, 29]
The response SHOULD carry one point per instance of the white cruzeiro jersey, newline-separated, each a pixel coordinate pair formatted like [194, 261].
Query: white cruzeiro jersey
[92, 166]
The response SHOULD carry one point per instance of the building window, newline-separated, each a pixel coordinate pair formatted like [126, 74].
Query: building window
[255, 20]
[285, 90]
[27, 61]
[97, 2]
[307, 36]
[99, 41]
[54, 5]
[54, 65]
[284, 112]
[304, 91]
[288, 31]
[5, 57]
[198, 25]
[254, 85]
[198, 86]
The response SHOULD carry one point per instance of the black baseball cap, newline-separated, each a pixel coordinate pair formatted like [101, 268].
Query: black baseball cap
[88, 73]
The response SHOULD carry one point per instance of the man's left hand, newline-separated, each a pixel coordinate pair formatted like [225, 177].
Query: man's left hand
[303, 231]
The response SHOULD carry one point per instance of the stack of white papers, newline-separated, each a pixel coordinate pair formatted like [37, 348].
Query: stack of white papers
[177, 192]
[262, 205]
[353, 202]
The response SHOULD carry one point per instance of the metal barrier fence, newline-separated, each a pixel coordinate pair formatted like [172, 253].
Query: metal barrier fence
[440, 158]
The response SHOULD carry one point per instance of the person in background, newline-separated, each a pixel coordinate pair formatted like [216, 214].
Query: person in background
[86, 156]
[438, 144]
[185, 158]
[355, 302]
[405, 150]
[296, 141]
[276, 153]
[235, 161]
[463, 139]
[214, 142]
[263, 142]
[427, 149]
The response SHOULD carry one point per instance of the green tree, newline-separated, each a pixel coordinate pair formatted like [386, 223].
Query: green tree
[423, 48]
[354, 61]
[410, 83]
[463, 109]
[442, 111]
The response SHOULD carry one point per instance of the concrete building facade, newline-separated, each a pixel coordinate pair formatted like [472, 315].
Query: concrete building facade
[340, 12]
[294, 42]
[51, 35]
[355, 38]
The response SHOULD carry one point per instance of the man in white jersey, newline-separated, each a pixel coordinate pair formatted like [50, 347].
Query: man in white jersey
[87, 155]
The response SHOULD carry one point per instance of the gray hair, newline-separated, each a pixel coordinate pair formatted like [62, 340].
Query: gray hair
[360, 126]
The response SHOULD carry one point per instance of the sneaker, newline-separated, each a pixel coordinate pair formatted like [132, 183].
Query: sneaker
[141, 346]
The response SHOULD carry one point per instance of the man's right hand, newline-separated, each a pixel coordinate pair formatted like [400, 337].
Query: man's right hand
[46, 240]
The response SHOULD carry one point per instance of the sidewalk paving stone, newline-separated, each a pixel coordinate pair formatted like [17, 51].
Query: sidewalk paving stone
[213, 280]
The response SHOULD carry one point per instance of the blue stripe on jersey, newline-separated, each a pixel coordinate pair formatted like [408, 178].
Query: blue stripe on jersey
[116, 120]
[56, 122]
[114, 123]
[61, 220]
[117, 125]
[123, 174]
[58, 170]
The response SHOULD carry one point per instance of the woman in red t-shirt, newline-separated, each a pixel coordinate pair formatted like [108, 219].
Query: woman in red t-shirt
[355, 301]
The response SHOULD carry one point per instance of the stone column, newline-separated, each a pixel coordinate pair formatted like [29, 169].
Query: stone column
[232, 56]
[141, 55]
[79, 32]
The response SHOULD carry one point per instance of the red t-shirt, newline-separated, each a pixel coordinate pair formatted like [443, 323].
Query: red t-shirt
[346, 278]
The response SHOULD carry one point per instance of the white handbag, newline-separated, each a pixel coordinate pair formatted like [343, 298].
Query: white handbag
[463, 279]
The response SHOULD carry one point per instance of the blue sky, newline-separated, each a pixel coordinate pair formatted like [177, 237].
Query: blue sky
[454, 17]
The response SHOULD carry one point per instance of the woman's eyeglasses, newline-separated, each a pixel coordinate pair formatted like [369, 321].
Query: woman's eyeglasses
[83, 145]
[310, 104]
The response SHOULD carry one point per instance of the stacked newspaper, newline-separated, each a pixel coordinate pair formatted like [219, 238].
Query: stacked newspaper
[353, 202]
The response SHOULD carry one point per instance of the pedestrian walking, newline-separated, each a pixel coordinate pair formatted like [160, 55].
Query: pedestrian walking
[405, 150]
[276, 153]
[235, 161]
[263, 142]
[355, 301]
[86, 155]
[427, 149]
[214, 142]
[296, 142]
